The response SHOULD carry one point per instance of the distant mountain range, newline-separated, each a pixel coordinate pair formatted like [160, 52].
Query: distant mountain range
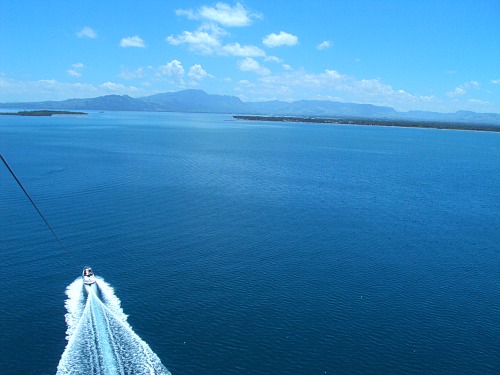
[200, 101]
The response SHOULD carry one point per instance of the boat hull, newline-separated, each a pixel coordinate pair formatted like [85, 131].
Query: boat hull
[88, 276]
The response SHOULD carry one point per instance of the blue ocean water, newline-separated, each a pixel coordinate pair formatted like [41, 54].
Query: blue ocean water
[256, 248]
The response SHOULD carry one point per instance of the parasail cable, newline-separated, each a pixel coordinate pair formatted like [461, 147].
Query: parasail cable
[31, 200]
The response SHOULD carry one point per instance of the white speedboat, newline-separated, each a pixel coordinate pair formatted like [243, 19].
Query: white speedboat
[88, 276]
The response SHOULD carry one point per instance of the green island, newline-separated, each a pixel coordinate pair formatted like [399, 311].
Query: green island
[41, 113]
[375, 122]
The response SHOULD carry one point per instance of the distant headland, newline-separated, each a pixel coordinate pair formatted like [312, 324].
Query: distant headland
[375, 122]
[41, 113]
[198, 101]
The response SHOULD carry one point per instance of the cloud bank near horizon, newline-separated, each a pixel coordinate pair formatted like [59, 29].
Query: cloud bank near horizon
[257, 65]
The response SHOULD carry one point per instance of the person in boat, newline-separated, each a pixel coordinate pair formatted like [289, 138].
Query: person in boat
[87, 272]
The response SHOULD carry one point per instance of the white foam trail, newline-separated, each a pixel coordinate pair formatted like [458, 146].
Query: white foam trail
[75, 304]
[100, 341]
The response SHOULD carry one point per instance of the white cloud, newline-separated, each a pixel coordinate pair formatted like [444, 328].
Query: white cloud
[251, 65]
[459, 91]
[331, 83]
[246, 83]
[479, 102]
[222, 14]
[273, 59]
[334, 74]
[235, 49]
[73, 73]
[112, 86]
[227, 15]
[118, 88]
[187, 13]
[328, 79]
[207, 41]
[196, 72]
[132, 41]
[462, 89]
[126, 74]
[200, 41]
[374, 88]
[495, 81]
[87, 32]
[50, 82]
[324, 45]
[282, 39]
[288, 85]
[174, 70]
[50, 89]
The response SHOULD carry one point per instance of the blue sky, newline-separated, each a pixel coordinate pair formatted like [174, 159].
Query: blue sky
[411, 55]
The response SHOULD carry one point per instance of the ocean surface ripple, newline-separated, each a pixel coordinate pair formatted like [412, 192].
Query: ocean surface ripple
[100, 341]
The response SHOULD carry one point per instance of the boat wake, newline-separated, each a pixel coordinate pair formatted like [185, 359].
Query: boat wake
[100, 341]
